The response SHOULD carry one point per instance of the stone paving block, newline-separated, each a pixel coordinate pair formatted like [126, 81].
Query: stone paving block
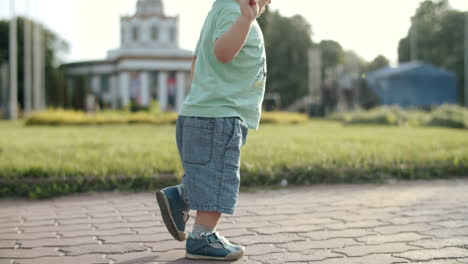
[287, 229]
[363, 250]
[440, 261]
[400, 237]
[28, 253]
[304, 219]
[452, 223]
[8, 218]
[86, 220]
[237, 232]
[89, 259]
[277, 258]
[262, 249]
[457, 216]
[246, 225]
[275, 211]
[393, 229]
[136, 238]
[165, 246]
[447, 232]
[266, 239]
[360, 217]
[414, 219]
[105, 226]
[134, 213]
[57, 242]
[142, 218]
[148, 257]
[27, 236]
[358, 224]
[7, 243]
[7, 230]
[56, 228]
[369, 259]
[112, 213]
[36, 223]
[108, 232]
[440, 243]
[430, 254]
[342, 215]
[121, 248]
[412, 212]
[318, 244]
[327, 234]
[270, 218]
[151, 230]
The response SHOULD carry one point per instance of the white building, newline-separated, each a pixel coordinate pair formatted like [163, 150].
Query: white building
[149, 65]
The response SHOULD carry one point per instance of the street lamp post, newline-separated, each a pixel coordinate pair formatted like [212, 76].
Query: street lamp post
[466, 59]
[13, 111]
[27, 63]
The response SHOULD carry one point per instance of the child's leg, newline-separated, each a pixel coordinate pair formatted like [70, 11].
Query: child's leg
[205, 223]
[207, 219]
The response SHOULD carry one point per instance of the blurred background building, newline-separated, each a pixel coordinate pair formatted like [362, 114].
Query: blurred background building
[414, 84]
[149, 65]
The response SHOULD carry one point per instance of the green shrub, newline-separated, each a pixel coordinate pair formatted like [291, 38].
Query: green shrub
[392, 116]
[71, 117]
[277, 117]
[452, 116]
[449, 116]
[57, 116]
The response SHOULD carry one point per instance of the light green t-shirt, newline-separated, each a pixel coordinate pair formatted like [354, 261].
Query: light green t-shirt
[236, 88]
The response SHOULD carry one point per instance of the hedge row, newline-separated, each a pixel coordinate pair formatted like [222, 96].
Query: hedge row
[452, 116]
[56, 117]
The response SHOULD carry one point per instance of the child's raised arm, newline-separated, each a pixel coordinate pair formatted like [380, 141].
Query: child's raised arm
[230, 43]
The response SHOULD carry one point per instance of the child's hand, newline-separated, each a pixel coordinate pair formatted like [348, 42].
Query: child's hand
[249, 9]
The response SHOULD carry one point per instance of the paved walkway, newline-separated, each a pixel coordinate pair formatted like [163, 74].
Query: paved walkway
[410, 222]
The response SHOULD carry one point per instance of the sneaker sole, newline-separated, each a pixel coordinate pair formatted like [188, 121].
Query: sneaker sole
[231, 256]
[167, 217]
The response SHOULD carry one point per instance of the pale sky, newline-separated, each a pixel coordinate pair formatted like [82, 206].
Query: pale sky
[368, 27]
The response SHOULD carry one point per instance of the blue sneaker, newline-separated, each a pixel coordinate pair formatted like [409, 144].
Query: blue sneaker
[212, 247]
[174, 210]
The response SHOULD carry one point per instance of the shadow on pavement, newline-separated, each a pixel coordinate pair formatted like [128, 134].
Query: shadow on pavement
[154, 259]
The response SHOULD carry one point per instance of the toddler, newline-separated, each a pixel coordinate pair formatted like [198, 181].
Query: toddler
[224, 102]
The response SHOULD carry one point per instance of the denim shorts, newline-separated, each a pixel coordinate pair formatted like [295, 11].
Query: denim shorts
[210, 151]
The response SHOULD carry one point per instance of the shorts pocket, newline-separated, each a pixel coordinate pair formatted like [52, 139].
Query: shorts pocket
[197, 140]
[232, 148]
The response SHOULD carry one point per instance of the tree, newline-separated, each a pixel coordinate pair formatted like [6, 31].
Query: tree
[440, 38]
[55, 47]
[332, 53]
[378, 63]
[287, 41]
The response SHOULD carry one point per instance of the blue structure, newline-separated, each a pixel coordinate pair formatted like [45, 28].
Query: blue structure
[414, 84]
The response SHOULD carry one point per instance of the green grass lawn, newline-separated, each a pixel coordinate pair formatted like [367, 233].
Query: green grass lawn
[132, 156]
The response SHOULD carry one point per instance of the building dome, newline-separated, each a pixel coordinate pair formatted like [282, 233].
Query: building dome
[150, 7]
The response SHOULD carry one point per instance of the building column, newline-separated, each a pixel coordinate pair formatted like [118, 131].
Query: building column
[114, 91]
[4, 88]
[162, 83]
[96, 84]
[70, 83]
[145, 89]
[124, 83]
[180, 95]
